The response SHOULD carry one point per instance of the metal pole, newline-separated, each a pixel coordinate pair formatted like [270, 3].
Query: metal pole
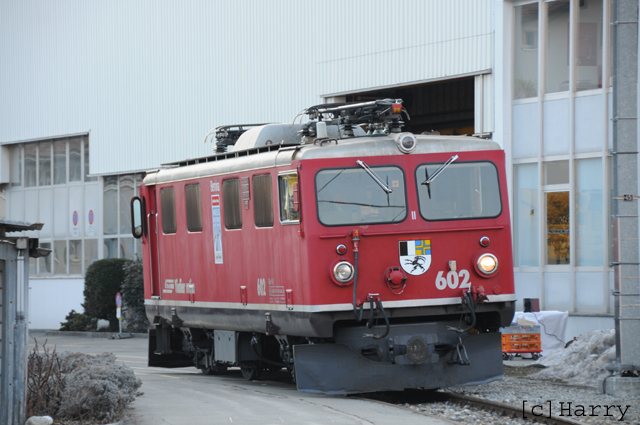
[626, 177]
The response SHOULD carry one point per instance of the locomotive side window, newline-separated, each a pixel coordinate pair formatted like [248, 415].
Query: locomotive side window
[287, 188]
[194, 207]
[262, 201]
[232, 204]
[464, 190]
[355, 196]
[168, 206]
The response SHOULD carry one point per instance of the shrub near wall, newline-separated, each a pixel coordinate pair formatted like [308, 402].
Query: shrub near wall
[101, 284]
[133, 312]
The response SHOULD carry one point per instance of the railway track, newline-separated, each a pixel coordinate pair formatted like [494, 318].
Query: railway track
[492, 407]
[504, 409]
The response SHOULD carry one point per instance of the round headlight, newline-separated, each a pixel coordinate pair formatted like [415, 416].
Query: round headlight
[487, 264]
[343, 272]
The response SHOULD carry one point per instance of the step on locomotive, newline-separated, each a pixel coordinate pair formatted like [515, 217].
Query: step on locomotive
[360, 257]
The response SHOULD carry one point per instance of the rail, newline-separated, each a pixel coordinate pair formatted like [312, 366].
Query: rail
[508, 409]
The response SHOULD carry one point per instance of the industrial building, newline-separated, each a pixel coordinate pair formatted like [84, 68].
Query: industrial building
[93, 94]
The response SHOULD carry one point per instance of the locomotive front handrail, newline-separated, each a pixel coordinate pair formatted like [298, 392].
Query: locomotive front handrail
[150, 251]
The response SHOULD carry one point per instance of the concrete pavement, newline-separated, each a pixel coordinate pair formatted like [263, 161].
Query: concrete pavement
[186, 397]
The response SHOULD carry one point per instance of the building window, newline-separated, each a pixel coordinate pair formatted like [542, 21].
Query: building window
[16, 165]
[60, 161]
[556, 172]
[75, 257]
[526, 215]
[558, 241]
[75, 160]
[87, 178]
[44, 163]
[526, 51]
[168, 206]
[127, 189]
[589, 213]
[90, 252]
[127, 248]
[60, 257]
[589, 48]
[110, 248]
[110, 201]
[232, 204]
[45, 262]
[30, 165]
[194, 207]
[557, 46]
[262, 201]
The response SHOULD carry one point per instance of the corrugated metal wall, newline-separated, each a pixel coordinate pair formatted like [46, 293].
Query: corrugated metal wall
[148, 79]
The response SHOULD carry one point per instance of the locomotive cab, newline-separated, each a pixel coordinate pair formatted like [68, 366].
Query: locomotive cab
[358, 257]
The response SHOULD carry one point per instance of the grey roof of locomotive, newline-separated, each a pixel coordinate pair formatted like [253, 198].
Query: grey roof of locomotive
[256, 150]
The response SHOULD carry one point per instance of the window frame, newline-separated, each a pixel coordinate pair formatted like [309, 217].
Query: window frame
[287, 222]
[228, 204]
[372, 167]
[486, 161]
[258, 198]
[197, 209]
[163, 211]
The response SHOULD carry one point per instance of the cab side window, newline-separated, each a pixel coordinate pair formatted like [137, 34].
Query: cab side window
[168, 207]
[262, 201]
[232, 204]
[287, 187]
[194, 207]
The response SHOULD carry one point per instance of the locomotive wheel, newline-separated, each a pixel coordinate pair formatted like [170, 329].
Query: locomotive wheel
[251, 371]
[216, 369]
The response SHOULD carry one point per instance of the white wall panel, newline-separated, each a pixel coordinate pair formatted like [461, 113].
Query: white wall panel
[148, 79]
[92, 208]
[527, 286]
[45, 197]
[589, 124]
[61, 215]
[556, 138]
[50, 300]
[592, 295]
[557, 292]
[526, 130]
[16, 203]
[76, 204]
[31, 210]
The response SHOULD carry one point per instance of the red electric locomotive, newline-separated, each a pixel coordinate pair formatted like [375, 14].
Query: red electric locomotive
[360, 257]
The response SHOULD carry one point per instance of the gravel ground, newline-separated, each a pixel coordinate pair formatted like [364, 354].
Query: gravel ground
[519, 387]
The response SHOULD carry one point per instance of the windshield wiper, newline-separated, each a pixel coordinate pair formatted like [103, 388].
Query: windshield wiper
[428, 180]
[375, 178]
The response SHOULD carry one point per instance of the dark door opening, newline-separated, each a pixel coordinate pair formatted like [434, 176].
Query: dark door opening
[446, 107]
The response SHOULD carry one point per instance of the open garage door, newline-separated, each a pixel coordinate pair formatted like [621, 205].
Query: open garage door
[446, 107]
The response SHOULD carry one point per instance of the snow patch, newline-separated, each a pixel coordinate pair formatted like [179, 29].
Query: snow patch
[584, 361]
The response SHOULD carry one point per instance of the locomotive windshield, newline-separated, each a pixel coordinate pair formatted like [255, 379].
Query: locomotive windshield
[467, 190]
[352, 196]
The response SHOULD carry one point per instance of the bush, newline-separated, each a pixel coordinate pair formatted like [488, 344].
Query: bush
[101, 284]
[99, 389]
[78, 322]
[133, 312]
[45, 381]
[79, 387]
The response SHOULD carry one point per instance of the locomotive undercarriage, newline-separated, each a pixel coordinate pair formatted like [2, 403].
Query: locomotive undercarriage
[423, 352]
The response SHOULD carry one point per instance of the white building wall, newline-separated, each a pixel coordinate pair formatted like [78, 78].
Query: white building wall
[148, 79]
[51, 300]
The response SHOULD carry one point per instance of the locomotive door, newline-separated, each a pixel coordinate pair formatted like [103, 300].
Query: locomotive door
[152, 225]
